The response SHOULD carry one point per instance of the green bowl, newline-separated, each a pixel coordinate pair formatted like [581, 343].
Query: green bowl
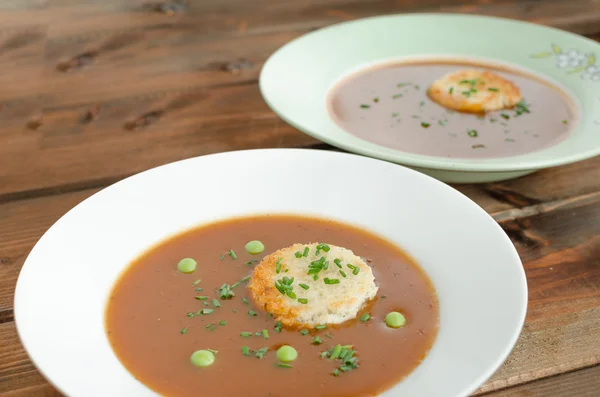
[296, 79]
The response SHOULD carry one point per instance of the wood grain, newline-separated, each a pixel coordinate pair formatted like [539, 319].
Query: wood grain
[107, 89]
[582, 383]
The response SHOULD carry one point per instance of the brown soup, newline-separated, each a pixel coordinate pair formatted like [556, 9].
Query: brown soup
[153, 324]
[389, 106]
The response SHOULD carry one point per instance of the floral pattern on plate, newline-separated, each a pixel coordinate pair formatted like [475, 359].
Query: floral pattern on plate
[573, 61]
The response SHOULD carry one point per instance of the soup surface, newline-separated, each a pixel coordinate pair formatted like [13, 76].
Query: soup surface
[388, 105]
[154, 322]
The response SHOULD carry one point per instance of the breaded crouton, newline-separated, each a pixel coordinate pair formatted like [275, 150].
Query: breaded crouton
[474, 91]
[329, 285]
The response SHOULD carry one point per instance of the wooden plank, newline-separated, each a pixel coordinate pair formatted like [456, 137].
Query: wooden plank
[18, 375]
[582, 383]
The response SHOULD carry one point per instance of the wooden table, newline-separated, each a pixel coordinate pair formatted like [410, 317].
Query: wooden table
[92, 91]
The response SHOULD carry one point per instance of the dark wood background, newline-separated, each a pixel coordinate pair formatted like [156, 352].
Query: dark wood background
[92, 91]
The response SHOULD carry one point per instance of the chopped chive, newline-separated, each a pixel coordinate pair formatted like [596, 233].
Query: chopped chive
[425, 125]
[376, 99]
[383, 296]
[394, 114]
[316, 277]
[304, 332]
[291, 294]
[493, 89]
[365, 317]
[260, 353]
[183, 331]
[216, 303]
[232, 254]
[564, 121]
[320, 326]
[337, 261]
[265, 334]
[201, 298]
[278, 326]
[473, 90]
[234, 310]
[329, 336]
[400, 85]
[305, 253]
[451, 90]
[331, 281]
[396, 96]
[245, 350]
[417, 87]
[278, 266]
[304, 301]
[190, 314]
[196, 282]
[245, 300]
[336, 372]
[356, 270]
[284, 365]
[298, 254]
[207, 311]
[222, 257]
[505, 116]
[245, 334]
[466, 82]
[363, 106]
[199, 289]
[440, 122]
[317, 341]
[336, 352]
[466, 93]
[252, 313]
[304, 286]
[205, 303]
[208, 326]
[479, 146]
[223, 323]
[213, 351]
[472, 133]
[225, 292]
[343, 273]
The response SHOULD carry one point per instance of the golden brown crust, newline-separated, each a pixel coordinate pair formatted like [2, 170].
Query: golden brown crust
[474, 91]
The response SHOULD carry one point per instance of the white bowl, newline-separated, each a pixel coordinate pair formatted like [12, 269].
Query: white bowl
[64, 284]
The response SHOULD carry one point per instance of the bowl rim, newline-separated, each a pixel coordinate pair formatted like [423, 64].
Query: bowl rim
[474, 384]
[419, 160]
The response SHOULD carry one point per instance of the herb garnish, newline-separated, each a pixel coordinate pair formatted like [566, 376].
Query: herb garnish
[206, 311]
[400, 85]
[451, 90]
[505, 116]
[493, 89]
[320, 326]
[225, 292]
[201, 298]
[183, 331]
[260, 353]
[245, 350]
[472, 133]
[304, 301]
[479, 146]
[304, 332]
[196, 282]
[252, 313]
[305, 253]
[298, 254]
[232, 254]
[425, 125]
[331, 281]
[317, 341]
[278, 326]
[376, 99]
[265, 334]
[190, 314]
[245, 334]
[241, 281]
[304, 286]
[365, 317]
[396, 96]
[363, 106]
[284, 365]
[222, 323]
[216, 303]
[345, 354]
[278, 266]
[343, 273]
[211, 326]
